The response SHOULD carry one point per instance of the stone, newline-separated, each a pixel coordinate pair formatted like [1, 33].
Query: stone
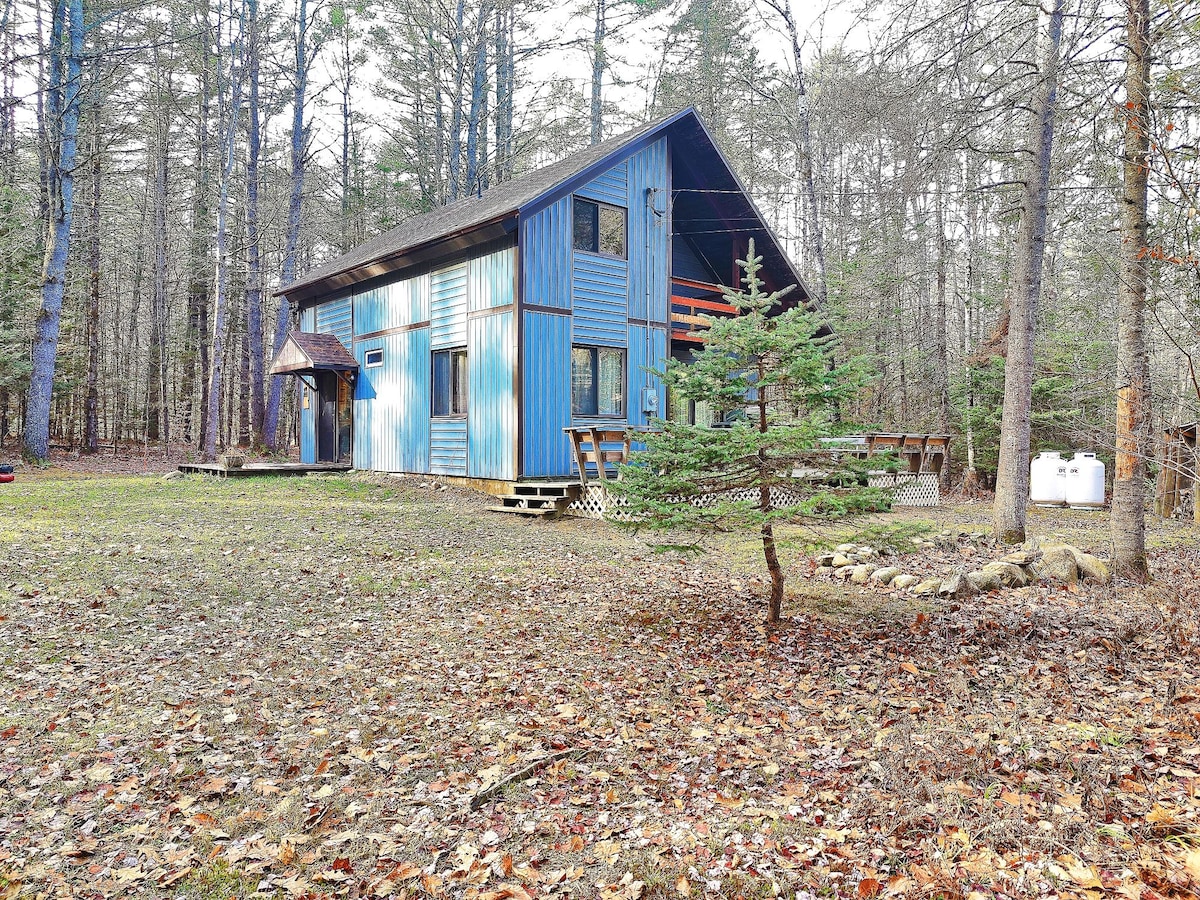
[1092, 568]
[823, 570]
[825, 559]
[903, 582]
[839, 560]
[866, 553]
[1021, 557]
[1010, 574]
[885, 575]
[861, 574]
[843, 572]
[171, 476]
[956, 586]
[984, 581]
[928, 587]
[1057, 564]
[844, 548]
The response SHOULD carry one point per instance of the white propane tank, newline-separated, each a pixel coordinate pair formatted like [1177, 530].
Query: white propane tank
[1048, 479]
[1085, 482]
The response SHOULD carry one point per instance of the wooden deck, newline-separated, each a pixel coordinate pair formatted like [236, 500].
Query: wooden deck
[250, 470]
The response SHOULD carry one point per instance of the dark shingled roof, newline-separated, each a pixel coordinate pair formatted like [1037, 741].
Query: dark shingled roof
[496, 203]
[306, 351]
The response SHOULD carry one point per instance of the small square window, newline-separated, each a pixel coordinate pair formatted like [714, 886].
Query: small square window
[597, 381]
[450, 382]
[373, 359]
[599, 228]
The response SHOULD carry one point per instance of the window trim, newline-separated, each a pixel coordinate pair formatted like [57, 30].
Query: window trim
[595, 350]
[601, 205]
[453, 413]
[378, 363]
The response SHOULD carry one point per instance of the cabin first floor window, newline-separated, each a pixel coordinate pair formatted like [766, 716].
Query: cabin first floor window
[599, 227]
[597, 381]
[450, 382]
[373, 359]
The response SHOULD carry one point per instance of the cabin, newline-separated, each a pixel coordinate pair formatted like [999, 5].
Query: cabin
[470, 341]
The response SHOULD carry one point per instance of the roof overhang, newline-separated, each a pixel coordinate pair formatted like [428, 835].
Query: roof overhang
[305, 353]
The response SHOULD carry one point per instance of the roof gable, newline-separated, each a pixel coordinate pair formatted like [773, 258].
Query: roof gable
[306, 351]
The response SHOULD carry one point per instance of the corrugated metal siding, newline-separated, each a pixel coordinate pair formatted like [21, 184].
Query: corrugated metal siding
[491, 406]
[448, 446]
[647, 349]
[308, 432]
[392, 305]
[391, 409]
[546, 394]
[335, 317]
[490, 279]
[611, 187]
[600, 305]
[448, 307]
[546, 245]
[647, 236]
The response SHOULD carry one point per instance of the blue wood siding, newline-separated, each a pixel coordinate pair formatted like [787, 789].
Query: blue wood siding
[610, 187]
[308, 432]
[599, 300]
[686, 264]
[336, 317]
[392, 306]
[546, 394]
[448, 446]
[648, 237]
[546, 268]
[647, 350]
[392, 403]
[491, 280]
[491, 405]
[448, 307]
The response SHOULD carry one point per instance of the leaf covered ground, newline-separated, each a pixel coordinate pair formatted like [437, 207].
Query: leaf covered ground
[324, 687]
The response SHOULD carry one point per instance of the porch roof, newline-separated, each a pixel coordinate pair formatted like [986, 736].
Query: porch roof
[305, 352]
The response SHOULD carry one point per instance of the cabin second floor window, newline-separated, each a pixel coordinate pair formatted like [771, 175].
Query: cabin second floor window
[450, 382]
[597, 381]
[599, 228]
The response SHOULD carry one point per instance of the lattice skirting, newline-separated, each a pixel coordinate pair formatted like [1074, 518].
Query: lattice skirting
[911, 489]
[595, 502]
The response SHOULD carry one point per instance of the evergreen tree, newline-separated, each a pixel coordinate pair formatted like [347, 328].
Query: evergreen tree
[766, 374]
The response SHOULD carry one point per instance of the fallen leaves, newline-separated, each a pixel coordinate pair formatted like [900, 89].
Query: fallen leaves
[418, 713]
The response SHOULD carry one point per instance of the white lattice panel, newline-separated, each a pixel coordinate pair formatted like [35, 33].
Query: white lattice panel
[911, 489]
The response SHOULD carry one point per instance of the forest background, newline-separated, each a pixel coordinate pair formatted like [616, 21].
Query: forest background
[197, 156]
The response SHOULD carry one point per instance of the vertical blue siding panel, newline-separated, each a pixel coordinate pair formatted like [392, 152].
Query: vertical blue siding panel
[448, 446]
[647, 350]
[546, 267]
[335, 317]
[308, 431]
[599, 300]
[448, 307]
[546, 394]
[391, 407]
[609, 187]
[394, 305]
[491, 406]
[648, 240]
[490, 280]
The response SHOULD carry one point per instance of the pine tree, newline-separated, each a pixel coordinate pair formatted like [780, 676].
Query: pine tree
[767, 376]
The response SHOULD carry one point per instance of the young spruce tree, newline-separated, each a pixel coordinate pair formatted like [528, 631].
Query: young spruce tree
[767, 377]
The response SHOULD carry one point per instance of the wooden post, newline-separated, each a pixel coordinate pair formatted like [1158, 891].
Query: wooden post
[1170, 477]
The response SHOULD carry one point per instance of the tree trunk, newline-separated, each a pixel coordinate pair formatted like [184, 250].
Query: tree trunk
[598, 73]
[91, 418]
[295, 203]
[156, 383]
[1012, 471]
[215, 390]
[64, 97]
[254, 313]
[1133, 395]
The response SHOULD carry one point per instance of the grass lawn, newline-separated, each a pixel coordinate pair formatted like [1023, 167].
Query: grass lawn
[323, 687]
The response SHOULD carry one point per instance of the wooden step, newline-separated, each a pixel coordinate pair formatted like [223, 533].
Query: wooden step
[546, 512]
